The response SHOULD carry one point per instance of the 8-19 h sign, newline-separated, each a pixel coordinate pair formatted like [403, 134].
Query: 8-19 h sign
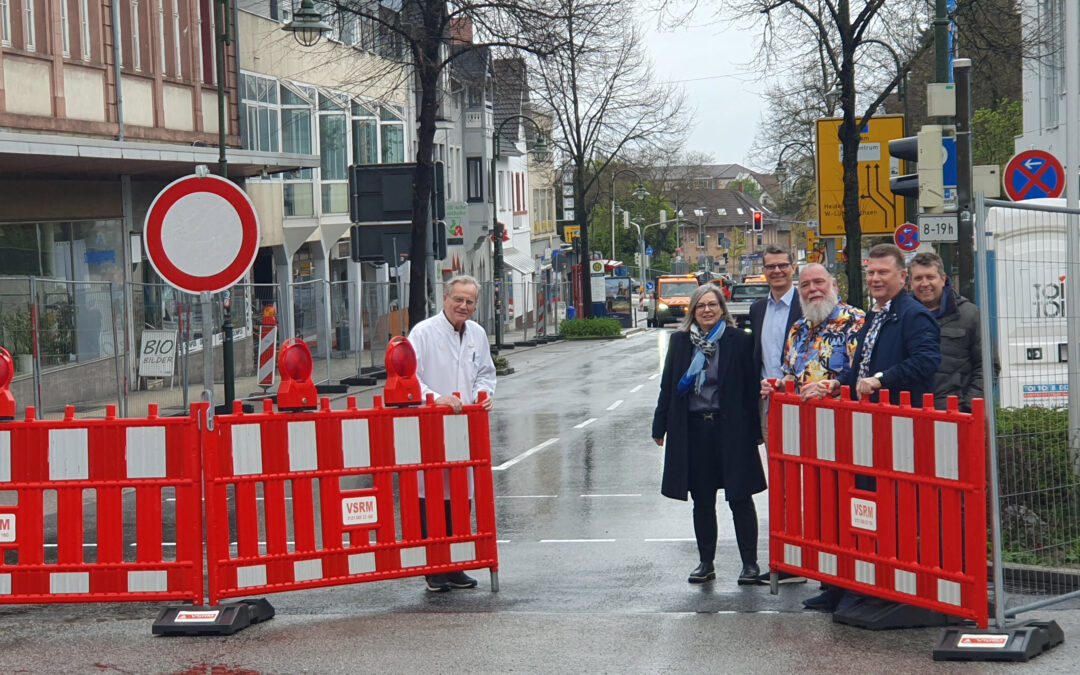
[201, 234]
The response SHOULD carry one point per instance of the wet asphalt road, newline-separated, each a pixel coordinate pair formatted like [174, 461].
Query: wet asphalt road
[593, 566]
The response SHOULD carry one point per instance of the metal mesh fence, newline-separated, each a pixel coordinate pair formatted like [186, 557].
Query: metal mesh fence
[1034, 448]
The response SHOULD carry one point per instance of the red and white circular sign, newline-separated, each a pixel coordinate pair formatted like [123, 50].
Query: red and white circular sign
[201, 234]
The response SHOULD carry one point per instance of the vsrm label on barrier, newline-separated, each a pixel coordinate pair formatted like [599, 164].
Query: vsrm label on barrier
[863, 514]
[7, 528]
[359, 511]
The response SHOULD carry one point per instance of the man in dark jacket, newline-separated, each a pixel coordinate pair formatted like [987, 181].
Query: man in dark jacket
[899, 345]
[771, 317]
[961, 370]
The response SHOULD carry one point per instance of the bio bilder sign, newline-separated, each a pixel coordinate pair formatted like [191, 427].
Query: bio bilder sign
[157, 353]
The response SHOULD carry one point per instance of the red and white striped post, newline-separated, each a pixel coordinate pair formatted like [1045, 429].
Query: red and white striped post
[267, 347]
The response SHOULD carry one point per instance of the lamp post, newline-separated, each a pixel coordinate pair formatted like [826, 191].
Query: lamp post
[702, 217]
[307, 25]
[641, 241]
[540, 154]
[640, 192]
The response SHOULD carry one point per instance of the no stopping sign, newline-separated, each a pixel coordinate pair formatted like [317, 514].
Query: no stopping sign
[201, 234]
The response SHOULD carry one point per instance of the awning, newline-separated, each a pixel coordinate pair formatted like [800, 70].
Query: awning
[522, 262]
[55, 155]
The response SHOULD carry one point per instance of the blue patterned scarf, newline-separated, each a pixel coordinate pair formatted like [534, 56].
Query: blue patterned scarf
[704, 347]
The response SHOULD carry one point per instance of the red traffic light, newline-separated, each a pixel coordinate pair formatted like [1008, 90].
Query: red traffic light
[759, 223]
[7, 371]
[402, 387]
[297, 391]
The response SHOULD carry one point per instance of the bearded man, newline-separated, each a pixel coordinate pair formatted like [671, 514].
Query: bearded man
[821, 344]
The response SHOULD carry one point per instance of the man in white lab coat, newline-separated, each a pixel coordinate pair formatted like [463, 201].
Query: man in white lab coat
[454, 364]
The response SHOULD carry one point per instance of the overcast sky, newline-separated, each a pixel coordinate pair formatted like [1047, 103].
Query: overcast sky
[709, 61]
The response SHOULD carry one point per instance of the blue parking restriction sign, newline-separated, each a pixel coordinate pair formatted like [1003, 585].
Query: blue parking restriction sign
[648, 251]
[907, 237]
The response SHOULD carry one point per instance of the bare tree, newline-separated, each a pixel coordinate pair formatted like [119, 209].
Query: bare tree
[604, 100]
[418, 34]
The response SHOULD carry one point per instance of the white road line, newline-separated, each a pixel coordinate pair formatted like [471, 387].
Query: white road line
[585, 423]
[502, 541]
[672, 539]
[613, 495]
[577, 541]
[536, 448]
[654, 376]
[526, 496]
[614, 405]
[636, 389]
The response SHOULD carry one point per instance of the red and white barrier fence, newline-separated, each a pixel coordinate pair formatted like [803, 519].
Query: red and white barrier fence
[918, 536]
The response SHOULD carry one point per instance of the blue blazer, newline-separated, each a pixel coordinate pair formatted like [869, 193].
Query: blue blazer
[907, 351]
[757, 318]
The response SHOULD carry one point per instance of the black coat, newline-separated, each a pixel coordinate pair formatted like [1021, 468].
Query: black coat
[740, 419]
[757, 318]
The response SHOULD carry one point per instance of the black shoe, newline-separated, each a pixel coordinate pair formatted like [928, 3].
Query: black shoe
[749, 575]
[702, 573]
[460, 580]
[826, 601]
[436, 583]
[783, 578]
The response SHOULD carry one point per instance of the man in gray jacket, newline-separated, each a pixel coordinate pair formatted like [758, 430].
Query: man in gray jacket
[961, 372]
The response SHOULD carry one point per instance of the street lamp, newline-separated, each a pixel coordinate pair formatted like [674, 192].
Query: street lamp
[541, 154]
[641, 242]
[307, 25]
[703, 217]
[640, 192]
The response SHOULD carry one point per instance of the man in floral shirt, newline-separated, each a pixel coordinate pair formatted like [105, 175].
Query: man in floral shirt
[821, 344]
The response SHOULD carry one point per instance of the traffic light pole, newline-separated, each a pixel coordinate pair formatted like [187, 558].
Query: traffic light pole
[965, 281]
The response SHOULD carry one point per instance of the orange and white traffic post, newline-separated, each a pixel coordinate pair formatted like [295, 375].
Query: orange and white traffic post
[267, 347]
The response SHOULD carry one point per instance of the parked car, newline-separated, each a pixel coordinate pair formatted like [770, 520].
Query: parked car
[742, 296]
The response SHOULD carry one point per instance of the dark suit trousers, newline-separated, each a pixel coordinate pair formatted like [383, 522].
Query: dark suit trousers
[706, 477]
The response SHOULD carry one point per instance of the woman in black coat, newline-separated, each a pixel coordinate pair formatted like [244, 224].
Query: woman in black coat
[708, 409]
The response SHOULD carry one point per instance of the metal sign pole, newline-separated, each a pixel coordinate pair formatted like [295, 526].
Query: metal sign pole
[208, 355]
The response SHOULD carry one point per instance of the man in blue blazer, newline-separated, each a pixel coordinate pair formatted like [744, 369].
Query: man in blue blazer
[900, 342]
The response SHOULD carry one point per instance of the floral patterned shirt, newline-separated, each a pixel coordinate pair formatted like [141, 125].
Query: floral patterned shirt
[813, 354]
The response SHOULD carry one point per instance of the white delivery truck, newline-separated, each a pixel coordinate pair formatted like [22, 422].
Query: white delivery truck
[1027, 263]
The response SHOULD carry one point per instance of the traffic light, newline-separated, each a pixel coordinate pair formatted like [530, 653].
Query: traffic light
[759, 223]
[926, 184]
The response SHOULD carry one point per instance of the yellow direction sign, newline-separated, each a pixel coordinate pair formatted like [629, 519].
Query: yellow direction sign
[571, 232]
[880, 210]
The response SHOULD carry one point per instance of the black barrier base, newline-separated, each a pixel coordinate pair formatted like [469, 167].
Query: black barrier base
[328, 388]
[359, 381]
[877, 614]
[1022, 642]
[216, 620]
[526, 343]
[224, 409]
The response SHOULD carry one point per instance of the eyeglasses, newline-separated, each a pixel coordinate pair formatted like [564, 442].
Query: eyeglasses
[711, 306]
[458, 300]
[777, 267]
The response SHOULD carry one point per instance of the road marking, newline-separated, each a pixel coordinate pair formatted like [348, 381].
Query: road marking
[536, 448]
[526, 496]
[636, 389]
[672, 539]
[614, 405]
[614, 495]
[585, 423]
[577, 541]
[502, 541]
[654, 376]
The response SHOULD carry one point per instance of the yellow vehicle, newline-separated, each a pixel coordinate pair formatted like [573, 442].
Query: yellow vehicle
[755, 279]
[670, 299]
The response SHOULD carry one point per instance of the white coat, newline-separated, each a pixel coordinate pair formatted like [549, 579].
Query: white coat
[448, 362]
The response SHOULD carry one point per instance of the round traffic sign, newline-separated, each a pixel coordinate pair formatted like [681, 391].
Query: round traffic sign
[201, 234]
[1032, 174]
[907, 237]
[648, 250]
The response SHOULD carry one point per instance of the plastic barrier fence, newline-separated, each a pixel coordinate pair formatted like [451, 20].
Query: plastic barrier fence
[919, 536]
[323, 498]
[64, 485]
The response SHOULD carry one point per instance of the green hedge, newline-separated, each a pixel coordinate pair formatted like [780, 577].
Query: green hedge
[594, 327]
[1040, 489]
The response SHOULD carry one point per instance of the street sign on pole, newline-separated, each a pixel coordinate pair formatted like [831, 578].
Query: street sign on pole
[907, 237]
[881, 210]
[938, 227]
[201, 234]
[1032, 174]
